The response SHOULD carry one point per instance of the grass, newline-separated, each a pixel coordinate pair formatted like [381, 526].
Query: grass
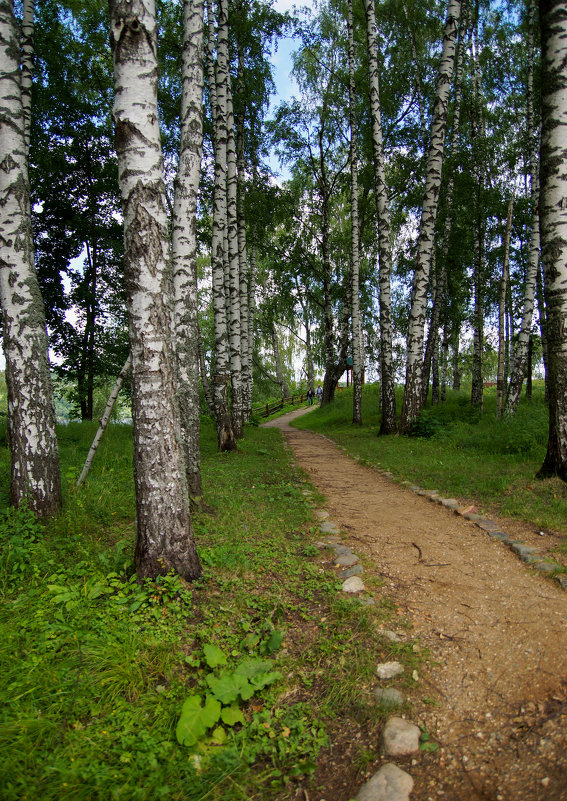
[482, 460]
[96, 667]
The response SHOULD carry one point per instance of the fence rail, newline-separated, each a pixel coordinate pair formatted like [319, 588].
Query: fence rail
[266, 409]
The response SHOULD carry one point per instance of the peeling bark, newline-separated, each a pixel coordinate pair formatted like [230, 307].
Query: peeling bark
[164, 540]
[35, 477]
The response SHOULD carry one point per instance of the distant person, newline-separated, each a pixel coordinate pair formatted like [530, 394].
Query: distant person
[319, 393]
[310, 396]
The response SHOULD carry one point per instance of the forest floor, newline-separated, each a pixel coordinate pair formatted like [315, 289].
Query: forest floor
[493, 691]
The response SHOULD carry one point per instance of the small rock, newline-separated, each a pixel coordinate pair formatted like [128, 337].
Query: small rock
[466, 510]
[341, 550]
[562, 579]
[450, 503]
[353, 584]
[390, 635]
[388, 696]
[544, 567]
[488, 525]
[355, 570]
[346, 560]
[400, 737]
[390, 783]
[472, 516]
[328, 528]
[321, 514]
[522, 550]
[499, 535]
[415, 488]
[368, 601]
[387, 670]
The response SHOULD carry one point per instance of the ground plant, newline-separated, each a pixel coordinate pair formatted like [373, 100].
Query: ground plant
[227, 688]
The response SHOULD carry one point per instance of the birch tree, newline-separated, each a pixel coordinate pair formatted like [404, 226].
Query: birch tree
[184, 242]
[413, 386]
[35, 476]
[553, 166]
[521, 350]
[357, 363]
[217, 91]
[164, 539]
[388, 422]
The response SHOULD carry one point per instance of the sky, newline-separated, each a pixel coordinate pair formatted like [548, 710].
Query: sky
[285, 86]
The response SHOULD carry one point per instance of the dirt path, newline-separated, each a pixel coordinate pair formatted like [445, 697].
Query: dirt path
[497, 634]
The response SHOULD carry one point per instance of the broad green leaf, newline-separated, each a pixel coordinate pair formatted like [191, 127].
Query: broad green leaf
[264, 679]
[219, 735]
[196, 719]
[253, 667]
[273, 642]
[229, 685]
[230, 715]
[214, 656]
[250, 641]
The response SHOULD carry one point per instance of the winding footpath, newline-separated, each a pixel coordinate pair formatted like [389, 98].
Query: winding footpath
[493, 695]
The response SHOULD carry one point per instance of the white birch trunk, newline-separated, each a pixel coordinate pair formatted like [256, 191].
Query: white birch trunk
[164, 537]
[233, 254]
[500, 382]
[553, 166]
[35, 476]
[221, 377]
[27, 66]
[388, 423]
[413, 387]
[243, 267]
[184, 242]
[521, 352]
[357, 365]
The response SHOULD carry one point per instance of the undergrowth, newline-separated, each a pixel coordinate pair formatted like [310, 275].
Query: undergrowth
[222, 689]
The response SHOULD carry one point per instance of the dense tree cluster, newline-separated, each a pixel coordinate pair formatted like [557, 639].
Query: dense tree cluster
[138, 200]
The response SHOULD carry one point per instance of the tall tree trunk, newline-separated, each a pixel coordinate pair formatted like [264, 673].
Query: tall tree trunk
[388, 423]
[553, 165]
[235, 343]
[358, 365]
[164, 540]
[27, 50]
[184, 243]
[35, 476]
[440, 301]
[500, 384]
[479, 170]
[243, 267]
[284, 389]
[225, 435]
[523, 342]
[413, 387]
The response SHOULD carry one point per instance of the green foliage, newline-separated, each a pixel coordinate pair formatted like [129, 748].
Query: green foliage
[143, 691]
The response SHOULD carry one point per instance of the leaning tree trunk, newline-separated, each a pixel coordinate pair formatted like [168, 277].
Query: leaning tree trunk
[184, 243]
[357, 364]
[164, 540]
[35, 477]
[521, 352]
[500, 383]
[553, 166]
[413, 387]
[387, 386]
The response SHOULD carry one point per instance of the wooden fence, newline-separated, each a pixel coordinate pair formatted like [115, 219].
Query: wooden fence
[269, 408]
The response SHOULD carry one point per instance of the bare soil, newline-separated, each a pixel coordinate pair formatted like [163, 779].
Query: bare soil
[494, 693]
